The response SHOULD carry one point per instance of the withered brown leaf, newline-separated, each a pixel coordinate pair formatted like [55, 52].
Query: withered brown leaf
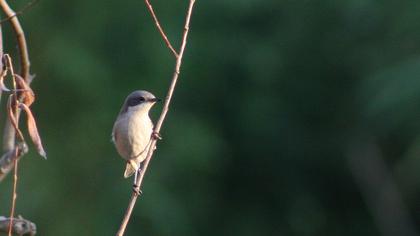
[12, 117]
[33, 130]
[25, 91]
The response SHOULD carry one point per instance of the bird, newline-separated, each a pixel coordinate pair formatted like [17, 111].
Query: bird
[132, 132]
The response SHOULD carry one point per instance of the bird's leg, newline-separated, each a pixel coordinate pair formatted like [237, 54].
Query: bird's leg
[136, 187]
[156, 135]
[135, 177]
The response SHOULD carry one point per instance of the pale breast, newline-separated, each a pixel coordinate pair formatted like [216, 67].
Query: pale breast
[139, 137]
[132, 136]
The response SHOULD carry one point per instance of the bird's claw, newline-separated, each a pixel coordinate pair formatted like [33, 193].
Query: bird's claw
[136, 190]
[156, 135]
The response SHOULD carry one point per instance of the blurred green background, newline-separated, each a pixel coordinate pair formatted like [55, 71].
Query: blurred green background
[290, 118]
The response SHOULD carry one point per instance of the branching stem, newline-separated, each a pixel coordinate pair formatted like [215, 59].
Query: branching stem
[162, 117]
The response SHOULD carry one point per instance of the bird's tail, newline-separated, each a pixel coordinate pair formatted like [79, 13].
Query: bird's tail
[130, 168]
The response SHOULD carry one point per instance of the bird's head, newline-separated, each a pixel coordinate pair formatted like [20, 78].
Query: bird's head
[139, 101]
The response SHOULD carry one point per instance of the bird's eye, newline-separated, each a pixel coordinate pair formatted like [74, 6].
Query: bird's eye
[135, 101]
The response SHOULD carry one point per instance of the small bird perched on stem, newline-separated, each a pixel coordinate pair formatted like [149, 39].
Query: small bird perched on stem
[133, 130]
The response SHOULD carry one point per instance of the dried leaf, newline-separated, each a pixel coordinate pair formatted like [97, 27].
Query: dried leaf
[33, 131]
[12, 118]
[24, 91]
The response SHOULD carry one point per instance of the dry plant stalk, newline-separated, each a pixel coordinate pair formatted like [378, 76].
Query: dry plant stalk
[21, 98]
[9, 144]
[165, 108]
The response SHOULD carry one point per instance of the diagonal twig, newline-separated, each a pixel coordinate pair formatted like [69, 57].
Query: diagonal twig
[165, 38]
[159, 123]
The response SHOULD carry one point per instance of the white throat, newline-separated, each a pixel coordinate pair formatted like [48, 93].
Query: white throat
[139, 110]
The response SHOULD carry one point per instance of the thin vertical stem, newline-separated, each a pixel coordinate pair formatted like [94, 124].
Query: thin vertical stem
[14, 195]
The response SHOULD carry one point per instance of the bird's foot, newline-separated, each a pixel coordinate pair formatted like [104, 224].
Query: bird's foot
[136, 190]
[156, 135]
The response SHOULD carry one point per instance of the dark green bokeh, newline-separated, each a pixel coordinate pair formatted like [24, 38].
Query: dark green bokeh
[272, 98]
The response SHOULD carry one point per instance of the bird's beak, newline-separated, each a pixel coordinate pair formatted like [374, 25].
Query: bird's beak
[155, 100]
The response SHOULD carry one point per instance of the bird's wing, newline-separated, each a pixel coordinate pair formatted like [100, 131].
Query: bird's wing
[114, 136]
